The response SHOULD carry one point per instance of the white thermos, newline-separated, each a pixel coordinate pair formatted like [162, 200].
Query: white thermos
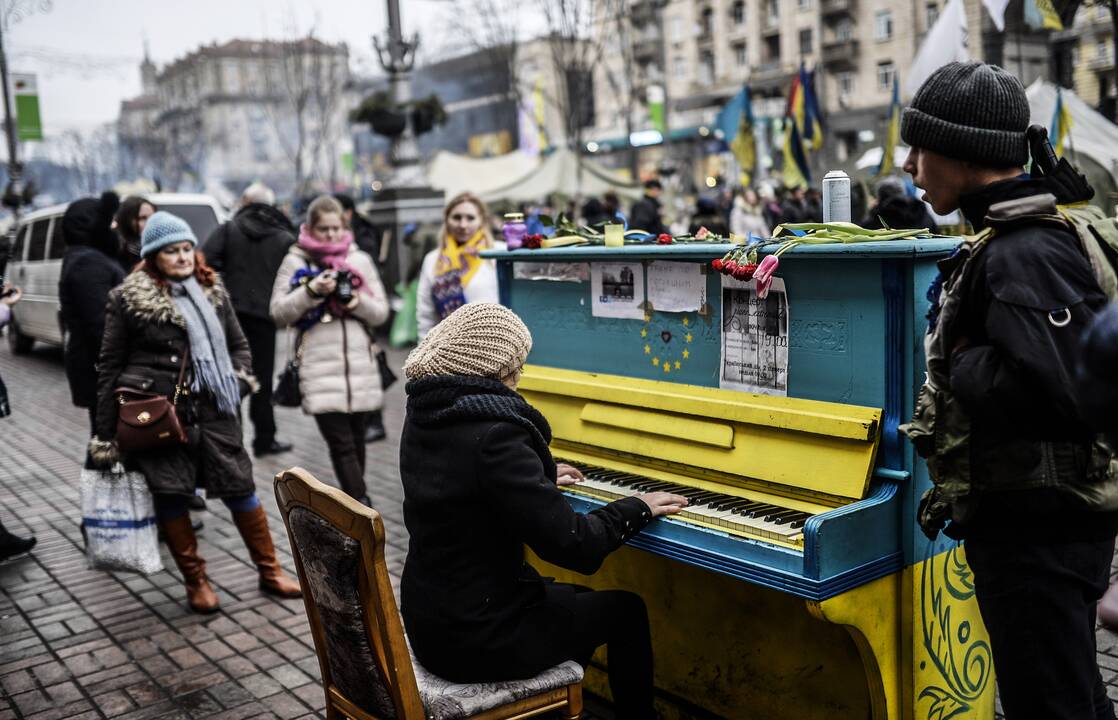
[836, 197]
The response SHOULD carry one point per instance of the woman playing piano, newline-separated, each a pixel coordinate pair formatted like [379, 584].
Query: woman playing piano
[479, 484]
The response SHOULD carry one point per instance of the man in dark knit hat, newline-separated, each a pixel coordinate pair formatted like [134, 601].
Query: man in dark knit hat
[1002, 346]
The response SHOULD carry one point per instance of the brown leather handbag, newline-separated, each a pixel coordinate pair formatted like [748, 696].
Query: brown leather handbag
[147, 421]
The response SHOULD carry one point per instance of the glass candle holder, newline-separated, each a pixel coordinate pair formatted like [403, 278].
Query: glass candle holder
[615, 235]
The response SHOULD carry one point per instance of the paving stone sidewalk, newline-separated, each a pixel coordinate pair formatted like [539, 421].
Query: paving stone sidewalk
[82, 643]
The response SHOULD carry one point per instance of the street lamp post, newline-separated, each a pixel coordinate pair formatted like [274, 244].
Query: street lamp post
[397, 58]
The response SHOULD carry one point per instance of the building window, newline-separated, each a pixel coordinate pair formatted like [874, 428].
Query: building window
[885, 73]
[844, 31]
[772, 50]
[1102, 50]
[706, 67]
[737, 13]
[805, 4]
[883, 25]
[740, 58]
[845, 80]
[805, 41]
[772, 11]
[675, 28]
[679, 65]
[932, 14]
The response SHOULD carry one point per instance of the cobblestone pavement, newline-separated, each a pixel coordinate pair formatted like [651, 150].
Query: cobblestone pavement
[82, 643]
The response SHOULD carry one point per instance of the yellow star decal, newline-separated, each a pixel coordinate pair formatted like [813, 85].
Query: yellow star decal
[686, 321]
[677, 365]
[687, 337]
[667, 368]
[644, 332]
[655, 361]
[686, 353]
[647, 349]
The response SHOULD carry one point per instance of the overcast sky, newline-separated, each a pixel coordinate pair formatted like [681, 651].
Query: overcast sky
[86, 53]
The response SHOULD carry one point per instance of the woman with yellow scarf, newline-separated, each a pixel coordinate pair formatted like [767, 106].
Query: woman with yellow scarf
[455, 273]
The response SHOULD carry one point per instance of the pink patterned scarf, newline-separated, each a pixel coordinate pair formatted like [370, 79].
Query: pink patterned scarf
[332, 255]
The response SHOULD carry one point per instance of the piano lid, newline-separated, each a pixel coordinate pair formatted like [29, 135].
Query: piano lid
[801, 446]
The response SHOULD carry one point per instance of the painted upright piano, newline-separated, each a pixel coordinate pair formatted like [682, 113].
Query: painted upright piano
[797, 584]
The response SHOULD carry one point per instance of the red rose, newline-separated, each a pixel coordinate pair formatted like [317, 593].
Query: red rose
[532, 242]
[745, 272]
[664, 239]
[716, 264]
[729, 266]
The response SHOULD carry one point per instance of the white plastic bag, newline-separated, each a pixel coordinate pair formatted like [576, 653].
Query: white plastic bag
[118, 515]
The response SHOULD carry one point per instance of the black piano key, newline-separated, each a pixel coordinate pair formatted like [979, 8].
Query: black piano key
[799, 523]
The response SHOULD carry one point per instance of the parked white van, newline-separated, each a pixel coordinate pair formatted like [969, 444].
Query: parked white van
[35, 264]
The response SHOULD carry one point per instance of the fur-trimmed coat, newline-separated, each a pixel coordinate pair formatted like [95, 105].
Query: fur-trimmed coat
[145, 339]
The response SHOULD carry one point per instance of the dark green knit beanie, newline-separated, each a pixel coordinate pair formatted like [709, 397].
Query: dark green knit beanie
[970, 111]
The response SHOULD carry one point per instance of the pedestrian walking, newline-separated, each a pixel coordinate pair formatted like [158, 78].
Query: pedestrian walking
[330, 291]
[1002, 346]
[475, 464]
[90, 269]
[247, 251]
[10, 544]
[173, 316]
[130, 219]
[645, 213]
[896, 209]
[455, 273]
[368, 240]
[747, 217]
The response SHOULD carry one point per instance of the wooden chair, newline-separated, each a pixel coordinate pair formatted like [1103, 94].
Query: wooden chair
[367, 669]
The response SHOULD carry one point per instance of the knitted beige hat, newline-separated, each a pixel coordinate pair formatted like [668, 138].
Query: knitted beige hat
[483, 339]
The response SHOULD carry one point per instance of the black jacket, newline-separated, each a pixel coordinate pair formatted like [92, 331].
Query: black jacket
[479, 484]
[88, 274]
[645, 215]
[367, 238]
[248, 251]
[145, 339]
[1014, 371]
[900, 212]
[1098, 373]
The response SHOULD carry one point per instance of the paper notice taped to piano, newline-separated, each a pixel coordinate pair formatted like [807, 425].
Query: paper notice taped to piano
[560, 272]
[617, 290]
[754, 338]
[676, 286]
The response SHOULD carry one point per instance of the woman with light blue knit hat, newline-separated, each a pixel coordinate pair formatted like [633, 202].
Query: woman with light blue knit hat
[171, 316]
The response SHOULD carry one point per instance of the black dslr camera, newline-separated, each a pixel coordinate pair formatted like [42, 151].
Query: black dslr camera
[343, 292]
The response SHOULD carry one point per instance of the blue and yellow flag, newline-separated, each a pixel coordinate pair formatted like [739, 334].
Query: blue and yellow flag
[892, 131]
[811, 121]
[1041, 14]
[735, 120]
[797, 172]
[1061, 123]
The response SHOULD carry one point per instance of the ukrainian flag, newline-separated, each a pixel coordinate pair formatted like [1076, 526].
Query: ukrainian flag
[797, 172]
[735, 120]
[811, 120]
[892, 131]
[1061, 123]
[1041, 14]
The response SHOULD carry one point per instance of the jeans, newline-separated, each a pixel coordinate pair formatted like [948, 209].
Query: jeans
[618, 619]
[1038, 603]
[345, 436]
[169, 507]
[261, 336]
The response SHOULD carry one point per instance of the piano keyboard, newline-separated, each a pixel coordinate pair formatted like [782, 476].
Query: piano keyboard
[732, 514]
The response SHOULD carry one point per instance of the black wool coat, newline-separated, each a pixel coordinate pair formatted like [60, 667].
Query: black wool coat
[83, 288]
[145, 340]
[248, 251]
[478, 487]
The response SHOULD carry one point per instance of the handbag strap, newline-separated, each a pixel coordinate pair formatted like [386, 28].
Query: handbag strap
[179, 389]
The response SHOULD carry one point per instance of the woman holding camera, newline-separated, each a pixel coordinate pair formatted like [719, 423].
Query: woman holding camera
[331, 293]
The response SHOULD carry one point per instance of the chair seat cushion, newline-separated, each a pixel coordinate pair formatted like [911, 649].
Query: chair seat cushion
[445, 700]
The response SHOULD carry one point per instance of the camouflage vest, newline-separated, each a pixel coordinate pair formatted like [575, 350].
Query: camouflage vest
[940, 429]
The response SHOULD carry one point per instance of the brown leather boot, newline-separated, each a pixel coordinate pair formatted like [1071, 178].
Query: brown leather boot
[184, 548]
[1108, 608]
[258, 539]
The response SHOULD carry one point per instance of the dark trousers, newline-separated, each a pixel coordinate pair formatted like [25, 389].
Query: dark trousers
[618, 619]
[345, 436]
[1038, 603]
[261, 336]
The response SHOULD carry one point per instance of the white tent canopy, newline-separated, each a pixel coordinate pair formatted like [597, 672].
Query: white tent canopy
[454, 174]
[562, 173]
[1092, 134]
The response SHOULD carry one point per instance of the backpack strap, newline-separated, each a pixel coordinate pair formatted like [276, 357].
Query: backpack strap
[1098, 236]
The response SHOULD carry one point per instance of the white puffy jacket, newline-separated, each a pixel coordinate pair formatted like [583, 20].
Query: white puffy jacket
[339, 370]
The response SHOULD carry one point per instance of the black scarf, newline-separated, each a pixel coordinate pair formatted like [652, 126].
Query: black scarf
[442, 400]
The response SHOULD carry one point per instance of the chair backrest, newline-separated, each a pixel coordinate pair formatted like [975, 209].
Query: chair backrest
[338, 546]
